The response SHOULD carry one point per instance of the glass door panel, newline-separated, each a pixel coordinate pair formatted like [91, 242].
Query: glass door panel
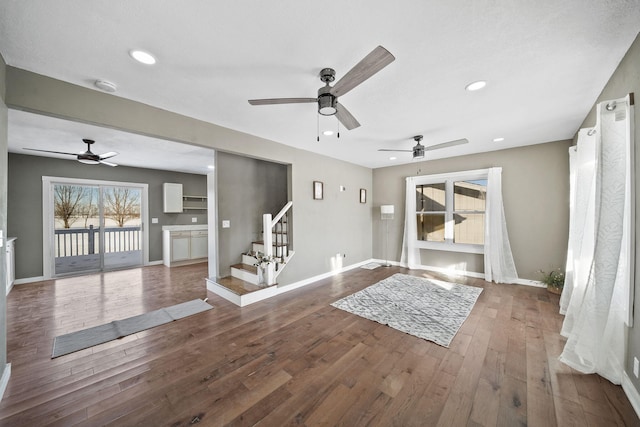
[122, 235]
[76, 221]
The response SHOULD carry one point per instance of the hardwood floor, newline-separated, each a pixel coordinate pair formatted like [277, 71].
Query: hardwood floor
[291, 360]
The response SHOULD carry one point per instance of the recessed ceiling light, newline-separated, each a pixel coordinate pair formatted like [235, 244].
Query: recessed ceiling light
[211, 167]
[392, 158]
[142, 56]
[475, 85]
[327, 133]
[498, 139]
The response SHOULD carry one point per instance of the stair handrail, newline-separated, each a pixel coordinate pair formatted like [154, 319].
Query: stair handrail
[280, 214]
[267, 238]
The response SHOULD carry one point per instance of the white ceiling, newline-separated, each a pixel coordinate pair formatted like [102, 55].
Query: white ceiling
[545, 63]
[28, 130]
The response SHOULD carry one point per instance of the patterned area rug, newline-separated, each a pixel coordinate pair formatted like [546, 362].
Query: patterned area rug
[428, 309]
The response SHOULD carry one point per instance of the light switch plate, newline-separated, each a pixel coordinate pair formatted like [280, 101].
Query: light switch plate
[226, 223]
[194, 219]
[154, 220]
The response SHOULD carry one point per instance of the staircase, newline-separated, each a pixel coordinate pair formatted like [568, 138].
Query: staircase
[275, 246]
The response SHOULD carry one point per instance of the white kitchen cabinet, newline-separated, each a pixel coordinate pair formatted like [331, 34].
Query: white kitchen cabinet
[199, 244]
[172, 197]
[182, 245]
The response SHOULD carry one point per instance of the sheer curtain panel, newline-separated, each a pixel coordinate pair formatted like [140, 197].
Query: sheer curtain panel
[498, 259]
[598, 289]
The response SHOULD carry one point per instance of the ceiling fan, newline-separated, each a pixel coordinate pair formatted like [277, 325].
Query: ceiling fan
[419, 149]
[86, 157]
[327, 98]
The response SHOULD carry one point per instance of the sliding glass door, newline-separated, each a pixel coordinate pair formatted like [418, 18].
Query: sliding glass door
[96, 227]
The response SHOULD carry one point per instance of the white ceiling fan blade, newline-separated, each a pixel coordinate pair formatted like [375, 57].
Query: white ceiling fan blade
[102, 162]
[447, 144]
[388, 149]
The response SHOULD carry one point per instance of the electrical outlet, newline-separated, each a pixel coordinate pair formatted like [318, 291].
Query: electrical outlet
[154, 220]
[635, 366]
[194, 219]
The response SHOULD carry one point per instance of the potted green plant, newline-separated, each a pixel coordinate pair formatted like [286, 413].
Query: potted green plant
[554, 280]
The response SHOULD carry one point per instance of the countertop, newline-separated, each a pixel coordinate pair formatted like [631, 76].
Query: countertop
[184, 227]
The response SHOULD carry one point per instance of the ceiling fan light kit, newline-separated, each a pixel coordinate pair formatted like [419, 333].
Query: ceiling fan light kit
[327, 98]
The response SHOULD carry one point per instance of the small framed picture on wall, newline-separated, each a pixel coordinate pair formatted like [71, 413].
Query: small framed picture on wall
[317, 190]
[363, 195]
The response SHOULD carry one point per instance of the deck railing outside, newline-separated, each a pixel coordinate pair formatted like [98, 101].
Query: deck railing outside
[86, 241]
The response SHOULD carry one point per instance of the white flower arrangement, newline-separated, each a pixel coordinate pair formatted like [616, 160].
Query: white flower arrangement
[263, 260]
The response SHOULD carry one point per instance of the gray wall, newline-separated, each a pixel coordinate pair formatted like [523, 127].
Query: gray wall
[3, 219]
[25, 202]
[535, 190]
[626, 79]
[321, 228]
[247, 189]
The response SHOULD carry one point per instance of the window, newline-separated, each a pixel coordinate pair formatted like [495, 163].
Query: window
[450, 211]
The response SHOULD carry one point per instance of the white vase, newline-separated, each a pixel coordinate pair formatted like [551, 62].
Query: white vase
[262, 276]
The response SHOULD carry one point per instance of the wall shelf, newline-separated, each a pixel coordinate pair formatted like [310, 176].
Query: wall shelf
[194, 203]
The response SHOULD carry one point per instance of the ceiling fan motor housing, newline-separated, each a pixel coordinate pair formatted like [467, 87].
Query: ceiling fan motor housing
[326, 101]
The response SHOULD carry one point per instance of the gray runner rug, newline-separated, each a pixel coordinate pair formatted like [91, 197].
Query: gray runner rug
[430, 309]
[69, 343]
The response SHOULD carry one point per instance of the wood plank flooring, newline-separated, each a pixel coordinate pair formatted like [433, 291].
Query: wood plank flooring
[291, 360]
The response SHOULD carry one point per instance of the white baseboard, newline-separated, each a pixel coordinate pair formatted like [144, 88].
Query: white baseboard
[4, 381]
[452, 272]
[277, 290]
[631, 392]
[29, 280]
[154, 263]
[244, 300]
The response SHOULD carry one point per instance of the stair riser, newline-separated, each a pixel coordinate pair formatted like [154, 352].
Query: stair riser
[244, 275]
[246, 259]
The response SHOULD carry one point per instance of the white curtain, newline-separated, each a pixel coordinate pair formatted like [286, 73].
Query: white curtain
[410, 252]
[498, 260]
[582, 200]
[596, 298]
